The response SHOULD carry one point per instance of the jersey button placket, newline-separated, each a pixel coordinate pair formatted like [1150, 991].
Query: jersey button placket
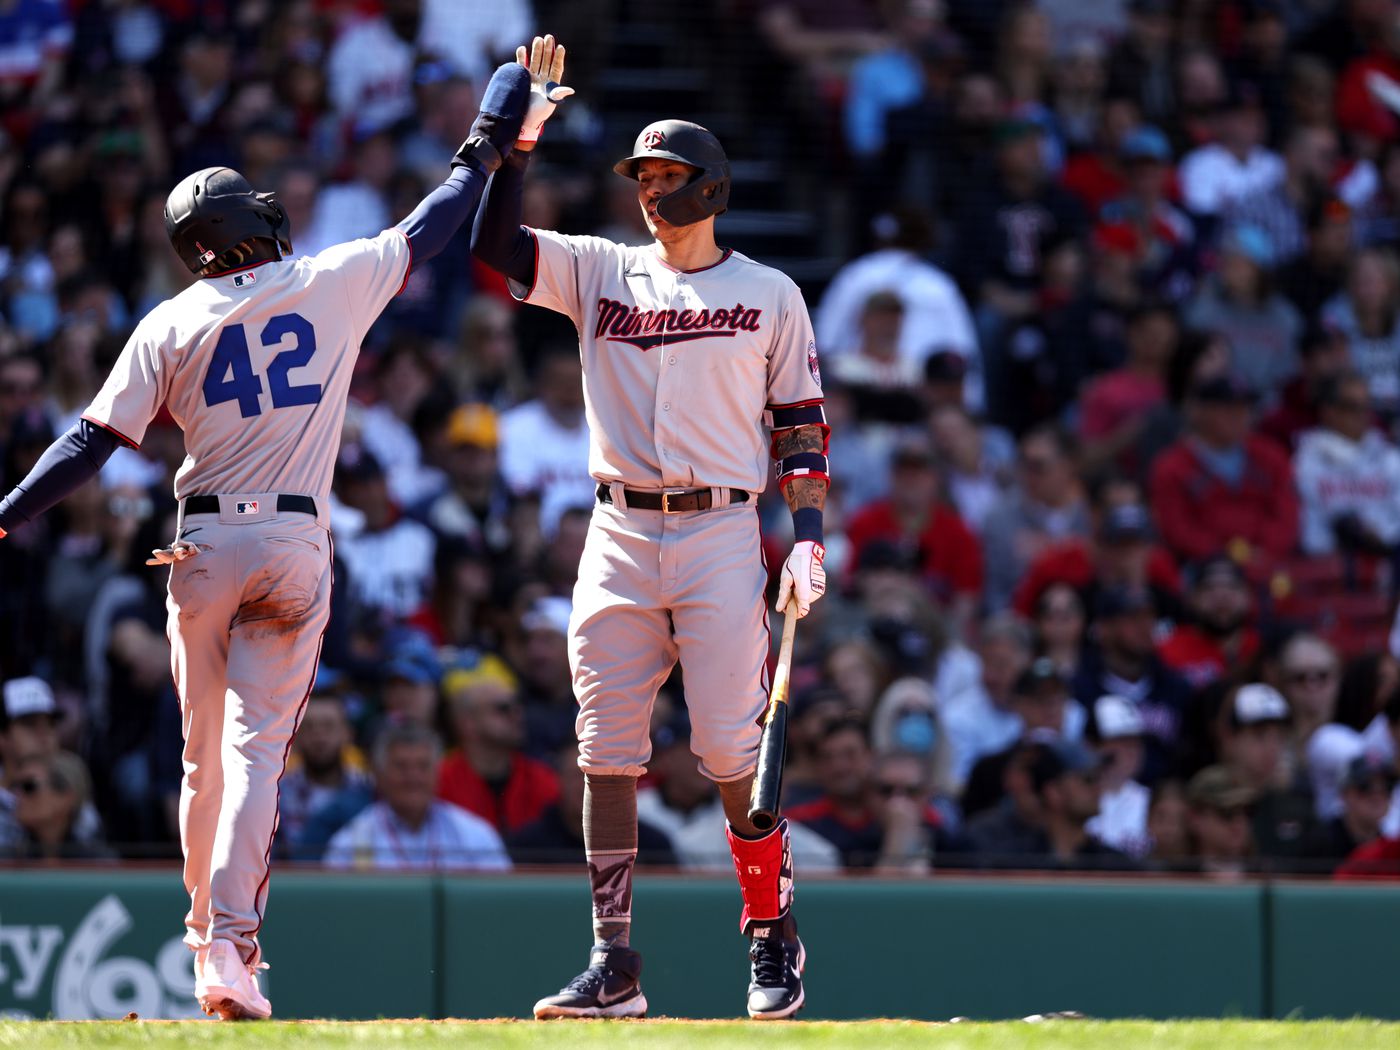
[665, 432]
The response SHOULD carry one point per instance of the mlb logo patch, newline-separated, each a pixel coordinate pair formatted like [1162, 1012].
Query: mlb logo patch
[245, 278]
[247, 507]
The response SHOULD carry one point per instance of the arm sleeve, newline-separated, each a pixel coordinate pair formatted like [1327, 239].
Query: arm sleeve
[498, 239]
[431, 225]
[72, 460]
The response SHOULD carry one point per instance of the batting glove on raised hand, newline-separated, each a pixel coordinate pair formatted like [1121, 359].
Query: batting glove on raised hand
[804, 578]
[177, 551]
[545, 62]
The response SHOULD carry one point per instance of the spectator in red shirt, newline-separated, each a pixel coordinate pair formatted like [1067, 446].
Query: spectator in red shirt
[1218, 638]
[1221, 488]
[1120, 553]
[1115, 406]
[488, 774]
[916, 519]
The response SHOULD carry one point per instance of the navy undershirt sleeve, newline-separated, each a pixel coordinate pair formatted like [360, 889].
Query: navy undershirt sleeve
[498, 239]
[442, 213]
[67, 464]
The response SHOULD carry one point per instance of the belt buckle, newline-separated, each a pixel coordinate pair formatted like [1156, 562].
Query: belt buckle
[666, 499]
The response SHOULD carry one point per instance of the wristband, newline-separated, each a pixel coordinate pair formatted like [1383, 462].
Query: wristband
[807, 525]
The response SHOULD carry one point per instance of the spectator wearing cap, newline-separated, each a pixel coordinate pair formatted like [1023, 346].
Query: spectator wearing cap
[544, 442]
[1324, 356]
[946, 384]
[1218, 821]
[1253, 736]
[854, 815]
[1065, 777]
[539, 656]
[1115, 406]
[1220, 487]
[1309, 675]
[327, 781]
[1219, 638]
[476, 504]
[29, 721]
[389, 557]
[1348, 475]
[1240, 302]
[487, 773]
[1115, 732]
[1166, 236]
[1006, 230]
[410, 681]
[1365, 795]
[1236, 164]
[1124, 663]
[1319, 273]
[1040, 702]
[935, 315]
[979, 718]
[408, 829]
[1281, 211]
[1045, 506]
[915, 519]
[1367, 314]
[556, 835]
[1119, 552]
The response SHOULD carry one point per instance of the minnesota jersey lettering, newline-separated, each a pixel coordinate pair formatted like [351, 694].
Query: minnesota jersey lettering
[648, 328]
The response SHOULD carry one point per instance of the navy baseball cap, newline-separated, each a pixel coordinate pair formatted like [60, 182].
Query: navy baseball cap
[1041, 673]
[1220, 568]
[1057, 758]
[1119, 601]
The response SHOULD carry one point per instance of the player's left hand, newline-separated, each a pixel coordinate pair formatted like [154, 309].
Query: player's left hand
[545, 61]
[804, 578]
[176, 552]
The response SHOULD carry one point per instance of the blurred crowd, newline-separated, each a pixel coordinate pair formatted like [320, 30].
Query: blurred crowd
[1112, 361]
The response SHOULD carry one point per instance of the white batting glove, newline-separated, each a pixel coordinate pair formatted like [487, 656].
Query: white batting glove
[545, 62]
[804, 577]
[177, 551]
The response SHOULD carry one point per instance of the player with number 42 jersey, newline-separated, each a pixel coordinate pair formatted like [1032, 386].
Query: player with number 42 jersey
[254, 362]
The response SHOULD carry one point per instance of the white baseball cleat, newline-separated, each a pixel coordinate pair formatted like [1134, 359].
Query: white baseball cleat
[226, 986]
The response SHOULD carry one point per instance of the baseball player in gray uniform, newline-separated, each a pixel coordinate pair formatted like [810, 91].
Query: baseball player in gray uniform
[253, 361]
[699, 364]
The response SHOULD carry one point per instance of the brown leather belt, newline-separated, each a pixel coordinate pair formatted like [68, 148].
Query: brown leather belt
[671, 501]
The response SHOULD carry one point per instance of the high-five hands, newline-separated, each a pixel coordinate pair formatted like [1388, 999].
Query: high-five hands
[545, 61]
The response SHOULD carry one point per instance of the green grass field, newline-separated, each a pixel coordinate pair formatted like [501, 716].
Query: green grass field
[712, 1035]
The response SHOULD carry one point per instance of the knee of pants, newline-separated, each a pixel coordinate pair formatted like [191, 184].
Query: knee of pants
[728, 752]
[609, 749]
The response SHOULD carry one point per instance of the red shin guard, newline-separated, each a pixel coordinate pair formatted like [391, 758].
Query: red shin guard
[764, 867]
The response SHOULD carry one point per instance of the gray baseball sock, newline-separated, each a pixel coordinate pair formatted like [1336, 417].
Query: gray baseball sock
[610, 844]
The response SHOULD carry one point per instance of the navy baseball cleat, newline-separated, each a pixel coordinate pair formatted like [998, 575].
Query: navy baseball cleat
[610, 987]
[777, 957]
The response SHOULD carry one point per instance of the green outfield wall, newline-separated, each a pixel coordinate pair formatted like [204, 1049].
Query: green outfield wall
[104, 943]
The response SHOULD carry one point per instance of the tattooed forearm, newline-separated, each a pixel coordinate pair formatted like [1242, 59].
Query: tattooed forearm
[798, 439]
[805, 492]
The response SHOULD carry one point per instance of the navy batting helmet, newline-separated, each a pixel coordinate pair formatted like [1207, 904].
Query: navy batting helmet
[704, 195]
[213, 210]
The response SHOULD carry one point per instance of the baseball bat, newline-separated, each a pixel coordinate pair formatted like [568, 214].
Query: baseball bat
[772, 745]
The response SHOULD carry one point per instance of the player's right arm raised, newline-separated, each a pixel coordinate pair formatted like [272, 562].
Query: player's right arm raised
[499, 240]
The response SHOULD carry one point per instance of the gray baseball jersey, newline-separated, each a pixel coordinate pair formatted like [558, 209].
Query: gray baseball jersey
[684, 372]
[679, 368]
[255, 367]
